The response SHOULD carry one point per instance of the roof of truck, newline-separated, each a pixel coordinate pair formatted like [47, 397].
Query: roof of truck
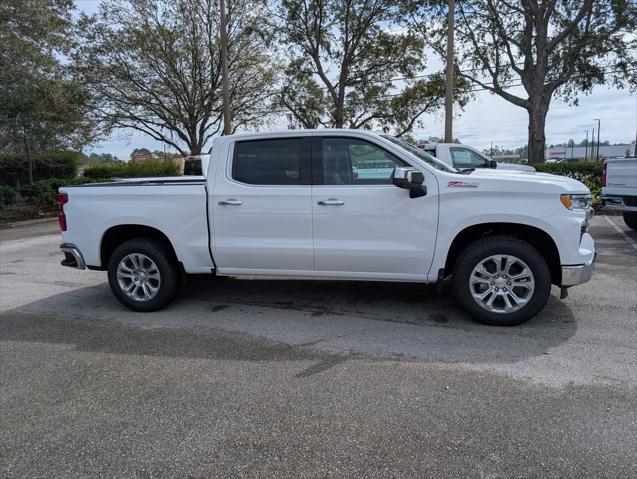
[322, 131]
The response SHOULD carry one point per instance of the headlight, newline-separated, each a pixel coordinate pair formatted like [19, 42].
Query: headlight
[577, 202]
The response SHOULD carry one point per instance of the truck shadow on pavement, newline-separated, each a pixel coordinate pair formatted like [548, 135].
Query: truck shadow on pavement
[265, 319]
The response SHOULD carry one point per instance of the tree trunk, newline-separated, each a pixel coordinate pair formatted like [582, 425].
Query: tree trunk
[338, 117]
[227, 112]
[27, 151]
[537, 138]
[340, 108]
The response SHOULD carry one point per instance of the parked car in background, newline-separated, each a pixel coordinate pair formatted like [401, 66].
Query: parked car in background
[619, 188]
[336, 204]
[464, 157]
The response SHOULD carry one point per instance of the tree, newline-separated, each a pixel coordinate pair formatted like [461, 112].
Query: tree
[102, 158]
[551, 47]
[140, 151]
[348, 69]
[155, 64]
[42, 107]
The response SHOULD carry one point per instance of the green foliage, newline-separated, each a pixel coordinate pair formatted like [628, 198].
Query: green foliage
[101, 158]
[588, 172]
[55, 164]
[551, 48]
[7, 195]
[41, 194]
[132, 170]
[344, 61]
[155, 67]
[42, 107]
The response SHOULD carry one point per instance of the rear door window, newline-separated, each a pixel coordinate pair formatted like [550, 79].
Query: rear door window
[268, 162]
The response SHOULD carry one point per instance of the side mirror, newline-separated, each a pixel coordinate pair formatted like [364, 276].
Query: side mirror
[410, 179]
[493, 164]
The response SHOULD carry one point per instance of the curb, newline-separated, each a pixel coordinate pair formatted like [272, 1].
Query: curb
[19, 224]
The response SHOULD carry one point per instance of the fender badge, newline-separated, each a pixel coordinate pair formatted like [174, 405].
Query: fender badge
[462, 184]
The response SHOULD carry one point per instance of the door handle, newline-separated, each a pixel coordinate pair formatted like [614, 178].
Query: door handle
[331, 202]
[230, 202]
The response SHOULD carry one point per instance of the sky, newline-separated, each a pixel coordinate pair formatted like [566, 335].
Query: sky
[485, 120]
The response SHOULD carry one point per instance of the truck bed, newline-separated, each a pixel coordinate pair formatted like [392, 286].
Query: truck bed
[175, 206]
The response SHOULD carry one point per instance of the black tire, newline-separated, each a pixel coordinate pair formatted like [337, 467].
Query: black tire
[165, 262]
[630, 218]
[481, 249]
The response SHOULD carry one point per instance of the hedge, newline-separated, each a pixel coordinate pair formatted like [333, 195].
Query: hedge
[42, 193]
[7, 195]
[588, 172]
[157, 167]
[57, 164]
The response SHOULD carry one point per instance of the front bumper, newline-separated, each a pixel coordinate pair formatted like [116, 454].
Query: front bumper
[574, 275]
[72, 256]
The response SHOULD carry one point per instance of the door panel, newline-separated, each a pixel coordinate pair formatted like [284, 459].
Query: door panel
[264, 226]
[369, 225]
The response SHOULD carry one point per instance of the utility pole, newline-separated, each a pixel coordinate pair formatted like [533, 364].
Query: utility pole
[227, 114]
[449, 76]
[599, 138]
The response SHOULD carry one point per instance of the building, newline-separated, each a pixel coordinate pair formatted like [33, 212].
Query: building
[580, 153]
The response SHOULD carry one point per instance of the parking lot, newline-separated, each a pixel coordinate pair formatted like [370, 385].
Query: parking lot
[278, 378]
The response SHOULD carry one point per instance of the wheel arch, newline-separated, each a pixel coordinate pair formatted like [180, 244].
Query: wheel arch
[535, 236]
[119, 234]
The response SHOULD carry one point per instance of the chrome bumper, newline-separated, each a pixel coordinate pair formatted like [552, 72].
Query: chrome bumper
[72, 256]
[574, 275]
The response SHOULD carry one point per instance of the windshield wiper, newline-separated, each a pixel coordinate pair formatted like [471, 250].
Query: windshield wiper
[466, 171]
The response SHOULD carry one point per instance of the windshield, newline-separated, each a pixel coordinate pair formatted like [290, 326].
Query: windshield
[421, 155]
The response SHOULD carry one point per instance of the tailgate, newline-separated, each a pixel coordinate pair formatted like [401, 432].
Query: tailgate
[621, 173]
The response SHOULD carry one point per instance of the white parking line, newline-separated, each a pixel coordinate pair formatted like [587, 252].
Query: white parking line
[628, 239]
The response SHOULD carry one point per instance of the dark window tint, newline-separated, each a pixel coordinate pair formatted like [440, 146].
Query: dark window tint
[268, 162]
[347, 161]
[192, 166]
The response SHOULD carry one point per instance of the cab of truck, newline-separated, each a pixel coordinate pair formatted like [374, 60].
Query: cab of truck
[466, 157]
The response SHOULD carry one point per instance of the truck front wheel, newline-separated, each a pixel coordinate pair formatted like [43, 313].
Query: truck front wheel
[630, 218]
[143, 275]
[501, 280]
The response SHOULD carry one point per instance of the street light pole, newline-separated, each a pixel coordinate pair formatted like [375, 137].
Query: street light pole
[586, 147]
[449, 76]
[599, 138]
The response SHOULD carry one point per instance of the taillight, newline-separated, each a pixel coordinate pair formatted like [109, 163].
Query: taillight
[61, 199]
[604, 166]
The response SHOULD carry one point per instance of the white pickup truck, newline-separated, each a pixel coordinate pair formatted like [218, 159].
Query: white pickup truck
[464, 157]
[619, 188]
[337, 204]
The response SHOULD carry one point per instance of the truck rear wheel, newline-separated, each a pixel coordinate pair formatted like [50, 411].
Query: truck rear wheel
[501, 280]
[630, 218]
[143, 275]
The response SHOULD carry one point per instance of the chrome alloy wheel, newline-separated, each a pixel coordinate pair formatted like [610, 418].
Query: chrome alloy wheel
[502, 283]
[138, 277]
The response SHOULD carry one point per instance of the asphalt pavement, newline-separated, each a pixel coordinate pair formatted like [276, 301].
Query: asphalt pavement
[242, 378]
